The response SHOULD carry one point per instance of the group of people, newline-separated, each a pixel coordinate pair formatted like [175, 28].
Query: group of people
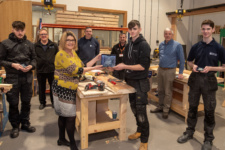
[63, 65]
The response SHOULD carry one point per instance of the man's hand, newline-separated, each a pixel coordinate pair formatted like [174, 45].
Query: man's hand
[120, 66]
[180, 76]
[26, 69]
[195, 68]
[206, 69]
[17, 66]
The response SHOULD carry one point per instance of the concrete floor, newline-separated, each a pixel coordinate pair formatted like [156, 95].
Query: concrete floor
[163, 133]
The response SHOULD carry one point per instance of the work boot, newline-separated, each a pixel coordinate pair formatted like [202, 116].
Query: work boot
[28, 128]
[42, 106]
[63, 142]
[165, 115]
[134, 136]
[14, 133]
[156, 110]
[207, 145]
[184, 138]
[143, 146]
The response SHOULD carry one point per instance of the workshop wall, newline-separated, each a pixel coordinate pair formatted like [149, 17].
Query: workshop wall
[189, 28]
[151, 13]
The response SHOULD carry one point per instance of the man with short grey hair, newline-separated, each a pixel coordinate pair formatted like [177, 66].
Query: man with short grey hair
[170, 52]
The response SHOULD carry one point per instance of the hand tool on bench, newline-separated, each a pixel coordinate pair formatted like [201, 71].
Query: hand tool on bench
[100, 86]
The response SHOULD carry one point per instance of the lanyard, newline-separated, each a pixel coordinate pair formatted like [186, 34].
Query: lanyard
[121, 49]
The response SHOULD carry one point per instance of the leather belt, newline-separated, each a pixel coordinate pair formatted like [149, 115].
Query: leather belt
[166, 68]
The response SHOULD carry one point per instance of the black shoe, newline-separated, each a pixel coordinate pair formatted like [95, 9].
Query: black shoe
[28, 128]
[156, 110]
[42, 106]
[207, 145]
[63, 142]
[14, 133]
[73, 147]
[165, 115]
[184, 138]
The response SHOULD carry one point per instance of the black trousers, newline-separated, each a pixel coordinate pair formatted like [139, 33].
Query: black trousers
[138, 103]
[41, 77]
[119, 74]
[22, 87]
[205, 85]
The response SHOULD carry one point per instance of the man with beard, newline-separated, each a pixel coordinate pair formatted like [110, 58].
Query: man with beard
[17, 55]
[88, 47]
[118, 50]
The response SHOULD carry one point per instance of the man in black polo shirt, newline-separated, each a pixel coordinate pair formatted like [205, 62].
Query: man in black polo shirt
[88, 47]
[202, 81]
[136, 65]
[46, 51]
[118, 50]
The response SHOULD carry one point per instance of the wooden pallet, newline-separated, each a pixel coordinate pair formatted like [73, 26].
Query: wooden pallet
[88, 19]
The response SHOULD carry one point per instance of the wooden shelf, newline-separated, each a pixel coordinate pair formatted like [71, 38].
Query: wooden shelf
[83, 27]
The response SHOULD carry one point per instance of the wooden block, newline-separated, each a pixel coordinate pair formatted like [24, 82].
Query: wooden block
[87, 17]
[103, 127]
[223, 103]
[86, 24]
[84, 124]
[6, 87]
[102, 105]
[86, 14]
[86, 21]
[123, 112]
[91, 112]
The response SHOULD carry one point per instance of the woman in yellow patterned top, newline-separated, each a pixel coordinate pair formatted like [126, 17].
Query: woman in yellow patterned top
[68, 67]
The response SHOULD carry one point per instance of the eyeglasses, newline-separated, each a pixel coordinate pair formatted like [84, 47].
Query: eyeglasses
[43, 34]
[70, 40]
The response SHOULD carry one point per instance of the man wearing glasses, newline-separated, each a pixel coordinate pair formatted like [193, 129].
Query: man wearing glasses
[46, 51]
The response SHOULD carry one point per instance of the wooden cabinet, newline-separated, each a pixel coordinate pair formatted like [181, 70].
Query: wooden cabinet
[15, 11]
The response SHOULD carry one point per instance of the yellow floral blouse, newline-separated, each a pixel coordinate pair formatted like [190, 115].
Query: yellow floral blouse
[67, 69]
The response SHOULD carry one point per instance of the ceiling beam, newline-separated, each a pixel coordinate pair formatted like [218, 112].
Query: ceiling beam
[199, 11]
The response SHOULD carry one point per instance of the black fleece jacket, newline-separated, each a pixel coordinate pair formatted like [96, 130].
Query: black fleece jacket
[137, 52]
[45, 59]
[14, 50]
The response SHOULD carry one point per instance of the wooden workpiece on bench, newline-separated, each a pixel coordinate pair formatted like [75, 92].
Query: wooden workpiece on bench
[119, 87]
[7, 87]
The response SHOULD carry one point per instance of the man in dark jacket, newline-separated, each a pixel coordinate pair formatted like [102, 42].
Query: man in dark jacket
[17, 55]
[88, 47]
[136, 64]
[45, 50]
[118, 50]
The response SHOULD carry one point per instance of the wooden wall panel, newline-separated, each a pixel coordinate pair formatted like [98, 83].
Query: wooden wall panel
[15, 10]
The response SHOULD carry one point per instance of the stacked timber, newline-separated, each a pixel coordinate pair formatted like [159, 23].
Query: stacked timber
[87, 19]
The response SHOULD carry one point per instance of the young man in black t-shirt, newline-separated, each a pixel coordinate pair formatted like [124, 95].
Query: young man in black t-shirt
[202, 81]
[136, 64]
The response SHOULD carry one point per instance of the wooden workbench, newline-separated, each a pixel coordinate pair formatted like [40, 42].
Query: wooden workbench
[3, 112]
[180, 93]
[93, 114]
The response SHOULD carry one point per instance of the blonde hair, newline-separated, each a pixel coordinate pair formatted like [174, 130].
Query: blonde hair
[64, 36]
